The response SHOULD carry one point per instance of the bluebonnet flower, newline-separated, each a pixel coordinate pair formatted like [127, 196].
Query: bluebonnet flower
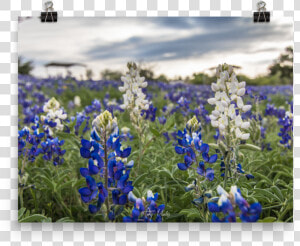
[145, 210]
[183, 102]
[80, 119]
[239, 171]
[162, 120]
[233, 205]
[150, 113]
[166, 135]
[190, 145]
[125, 134]
[29, 143]
[51, 150]
[40, 143]
[286, 130]
[217, 135]
[107, 161]
[95, 107]
[202, 113]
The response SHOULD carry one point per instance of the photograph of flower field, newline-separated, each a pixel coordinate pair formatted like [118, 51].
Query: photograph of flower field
[155, 120]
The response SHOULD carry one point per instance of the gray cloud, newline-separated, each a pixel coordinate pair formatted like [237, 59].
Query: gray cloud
[220, 34]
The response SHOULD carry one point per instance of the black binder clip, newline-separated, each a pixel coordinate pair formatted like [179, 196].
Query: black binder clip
[49, 15]
[262, 15]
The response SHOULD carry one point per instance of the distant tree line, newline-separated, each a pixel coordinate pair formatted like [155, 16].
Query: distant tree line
[280, 72]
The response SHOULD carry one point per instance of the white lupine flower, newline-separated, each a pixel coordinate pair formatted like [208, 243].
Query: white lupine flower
[245, 125]
[223, 122]
[214, 87]
[219, 107]
[238, 121]
[77, 101]
[52, 104]
[61, 115]
[215, 113]
[213, 117]
[54, 114]
[227, 99]
[246, 108]
[231, 111]
[239, 102]
[221, 191]
[240, 135]
[212, 101]
[242, 84]
[134, 98]
[241, 92]
[214, 123]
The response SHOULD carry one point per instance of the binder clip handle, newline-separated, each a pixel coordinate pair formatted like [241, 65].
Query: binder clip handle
[49, 15]
[49, 6]
[261, 6]
[261, 15]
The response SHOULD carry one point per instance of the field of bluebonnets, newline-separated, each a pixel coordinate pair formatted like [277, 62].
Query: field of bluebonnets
[137, 151]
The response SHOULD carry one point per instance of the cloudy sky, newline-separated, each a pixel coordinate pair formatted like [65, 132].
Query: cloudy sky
[175, 46]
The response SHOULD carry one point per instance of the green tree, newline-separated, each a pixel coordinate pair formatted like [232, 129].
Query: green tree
[108, 74]
[162, 78]
[24, 67]
[201, 79]
[283, 67]
[89, 73]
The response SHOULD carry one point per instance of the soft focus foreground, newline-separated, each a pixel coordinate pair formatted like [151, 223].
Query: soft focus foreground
[138, 151]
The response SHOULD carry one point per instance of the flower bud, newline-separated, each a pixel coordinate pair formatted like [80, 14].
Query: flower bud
[52, 104]
[193, 124]
[105, 121]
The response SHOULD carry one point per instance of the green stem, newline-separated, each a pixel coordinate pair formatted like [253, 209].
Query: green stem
[21, 198]
[61, 202]
[275, 206]
[106, 173]
[142, 150]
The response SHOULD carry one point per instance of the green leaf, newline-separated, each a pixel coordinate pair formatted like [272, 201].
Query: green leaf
[268, 220]
[65, 219]
[170, 123]
[154, 132]
[263, 177]
[33, 218]
[278, 193]
[250, 147]
[81, 128]
[21, 212]
[45, 181]
[191, 213]
[139, 179]
[267, 193]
